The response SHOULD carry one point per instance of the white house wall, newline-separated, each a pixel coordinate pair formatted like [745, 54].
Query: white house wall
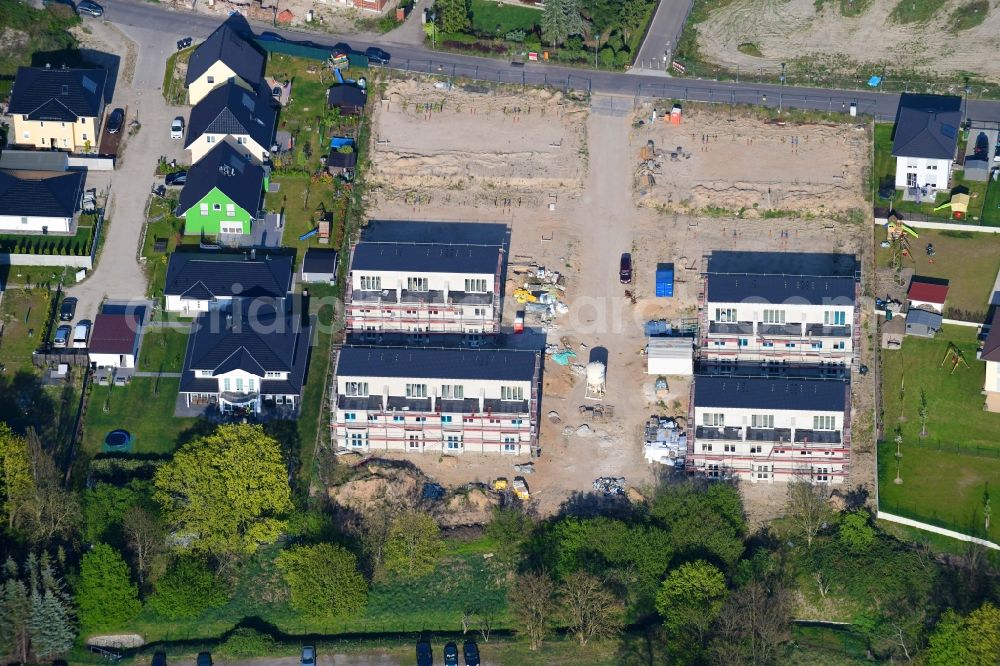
[935, 173]
[249, 148]
[35, 224]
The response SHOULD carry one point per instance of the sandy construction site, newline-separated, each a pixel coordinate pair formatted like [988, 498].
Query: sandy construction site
[473, 147]
[785, 31]
[734, 160]
[577, 215]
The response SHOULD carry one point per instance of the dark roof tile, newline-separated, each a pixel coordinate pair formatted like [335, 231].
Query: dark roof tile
[927, 126]
[431, 363]
[40, 193]
[777, 393]
[426, 257]
[65, 95]
[225, 168]
[231, 43]
[234, 110]
[206, 276]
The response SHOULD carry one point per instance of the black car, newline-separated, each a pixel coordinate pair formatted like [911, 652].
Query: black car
[270, 37]
[204, 659]
[625, 269]
[343, 47]
[471, 653]
[176, 179]
[425, 657]
[159, 658]
[68, 309]
[377, 55]
[116, 120]
[450, 655]
[90, 8]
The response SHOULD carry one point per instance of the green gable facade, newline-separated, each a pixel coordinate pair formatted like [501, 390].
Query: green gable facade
[215, 214]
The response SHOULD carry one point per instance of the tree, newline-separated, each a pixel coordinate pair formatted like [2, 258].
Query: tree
[43, 508]
[532, 603]
[324, 581]
[633, 15]
[51, 627]
[606, 56]
[922, 413]
[16, 482]
[452, 14]
[187, 589]
[414, 545]
[228, 490]
[807, 508]
[105, 595]
[560, 19]
[970, 641]
[591, 609]
[509, 529]
[15, 609]
[689, 600]
[753, 625]
[855, 531]
[105, 506]
[144, 537]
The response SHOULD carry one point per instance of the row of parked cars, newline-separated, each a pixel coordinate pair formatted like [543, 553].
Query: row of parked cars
[470, 653]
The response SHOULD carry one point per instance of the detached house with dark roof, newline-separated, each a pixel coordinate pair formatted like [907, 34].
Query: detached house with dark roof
[227, 56]
[57, 108]
[40, 201]
[223, 193]
[925, 140]
[245, 119]
[248, 357]
[436, 401]
[199, 282]
[991, 354]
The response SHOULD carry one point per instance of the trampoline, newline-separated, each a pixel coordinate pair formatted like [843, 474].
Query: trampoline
[118, 440]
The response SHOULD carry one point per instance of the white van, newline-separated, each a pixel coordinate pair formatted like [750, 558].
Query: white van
[80, 334]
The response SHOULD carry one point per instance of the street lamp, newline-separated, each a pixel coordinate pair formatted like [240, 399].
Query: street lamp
[781, 93]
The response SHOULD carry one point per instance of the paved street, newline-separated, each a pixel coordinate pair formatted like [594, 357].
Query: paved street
[662, 34]
[161, 19]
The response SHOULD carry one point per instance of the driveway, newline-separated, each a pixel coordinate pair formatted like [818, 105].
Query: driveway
[118, 275]
[663, 33]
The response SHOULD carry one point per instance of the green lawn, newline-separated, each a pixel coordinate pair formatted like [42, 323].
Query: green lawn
[163, 350]
[25, 313]
[916, 11]
[144, 407]
[968, 15]
[161, 225]
[497, 19]
[969, 260]
[303, 201]
[991, 204]
[944, 485]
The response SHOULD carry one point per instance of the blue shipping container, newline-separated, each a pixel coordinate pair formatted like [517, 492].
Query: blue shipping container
[665, 281]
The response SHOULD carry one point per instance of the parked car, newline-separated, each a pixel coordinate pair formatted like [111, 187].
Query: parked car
[450, 655]
[80, 334]
[377, 55]
[343, 47]
[116, 120]
[625, 269]
[61, 338]
[204, 659]
[177, 128]
[90, 9]
[425, 657]
[308, 656]
[471, 653]
[68, 309]
[159, 658]
[176, 179]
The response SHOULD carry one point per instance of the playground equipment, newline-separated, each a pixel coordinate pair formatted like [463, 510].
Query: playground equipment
[596, 380]
[309, 234]
[959, 204]
[953, 355]
[896, 228]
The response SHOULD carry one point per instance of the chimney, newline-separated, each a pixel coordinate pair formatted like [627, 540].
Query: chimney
[253, 254]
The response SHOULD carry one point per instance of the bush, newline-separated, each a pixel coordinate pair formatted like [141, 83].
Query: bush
[246, 642]
[187, 589]
[105, 594]
[514, 36]
[324, 581]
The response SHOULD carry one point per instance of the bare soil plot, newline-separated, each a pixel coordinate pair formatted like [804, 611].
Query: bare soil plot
[817, 33]
[733, 160]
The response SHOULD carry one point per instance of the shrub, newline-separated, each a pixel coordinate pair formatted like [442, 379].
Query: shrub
[187, 589]
[514, 36]
[246, 642]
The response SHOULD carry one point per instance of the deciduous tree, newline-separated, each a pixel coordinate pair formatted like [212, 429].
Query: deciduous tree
[188, 588]
[855, 531]
[753, 625]
[144, 537]
[633, 15]
[16, 481]
[970, 641]
[509, 529]
[690, 599]
[105, 595]
[807, 508]
[592, 610]
[324, 581]
[452, 14]
[228, 491]
[414, 545]
[533, 605]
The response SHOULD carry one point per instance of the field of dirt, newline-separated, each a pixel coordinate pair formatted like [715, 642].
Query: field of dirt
[790, 30]
[578, 221]
[473, 147]
[734, 160]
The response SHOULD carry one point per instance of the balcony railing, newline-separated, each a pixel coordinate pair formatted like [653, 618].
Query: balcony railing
[730, 328]
[716, 433]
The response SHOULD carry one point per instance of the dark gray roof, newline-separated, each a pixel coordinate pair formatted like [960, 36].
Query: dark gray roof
[918, 317]
[430, 363]
[426, 257]
[231, 43]
[927, 126]
[342, 160]
[778, 393]
[789, 289]
[257, 338]
[58, 94]
[34, 160]
[207, 276]
[224, 167]
[991, 346]
[232, 109]
[40, 193]
[346, 95]
[320, 261]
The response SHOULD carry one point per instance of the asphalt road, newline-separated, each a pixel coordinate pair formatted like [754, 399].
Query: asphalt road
[663, 32]
[158, 17]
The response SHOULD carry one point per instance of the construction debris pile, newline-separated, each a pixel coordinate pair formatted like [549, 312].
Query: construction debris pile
[541, 292]
[610, 486]
[665, 441]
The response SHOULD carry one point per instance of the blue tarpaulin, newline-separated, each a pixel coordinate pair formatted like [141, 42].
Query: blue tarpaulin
[564, 357]
[338, 141]
[874, 81]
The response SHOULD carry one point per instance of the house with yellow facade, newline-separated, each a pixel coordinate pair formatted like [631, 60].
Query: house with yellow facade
[57, 108]
[227, 56]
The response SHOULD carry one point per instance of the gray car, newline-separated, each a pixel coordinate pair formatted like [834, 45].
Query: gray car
[90, 8]
[308, 656]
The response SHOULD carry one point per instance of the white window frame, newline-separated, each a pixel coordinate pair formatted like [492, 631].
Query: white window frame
[824, 422]
[713, 419]
[511, 393]
[773, 316]
[416, 390]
